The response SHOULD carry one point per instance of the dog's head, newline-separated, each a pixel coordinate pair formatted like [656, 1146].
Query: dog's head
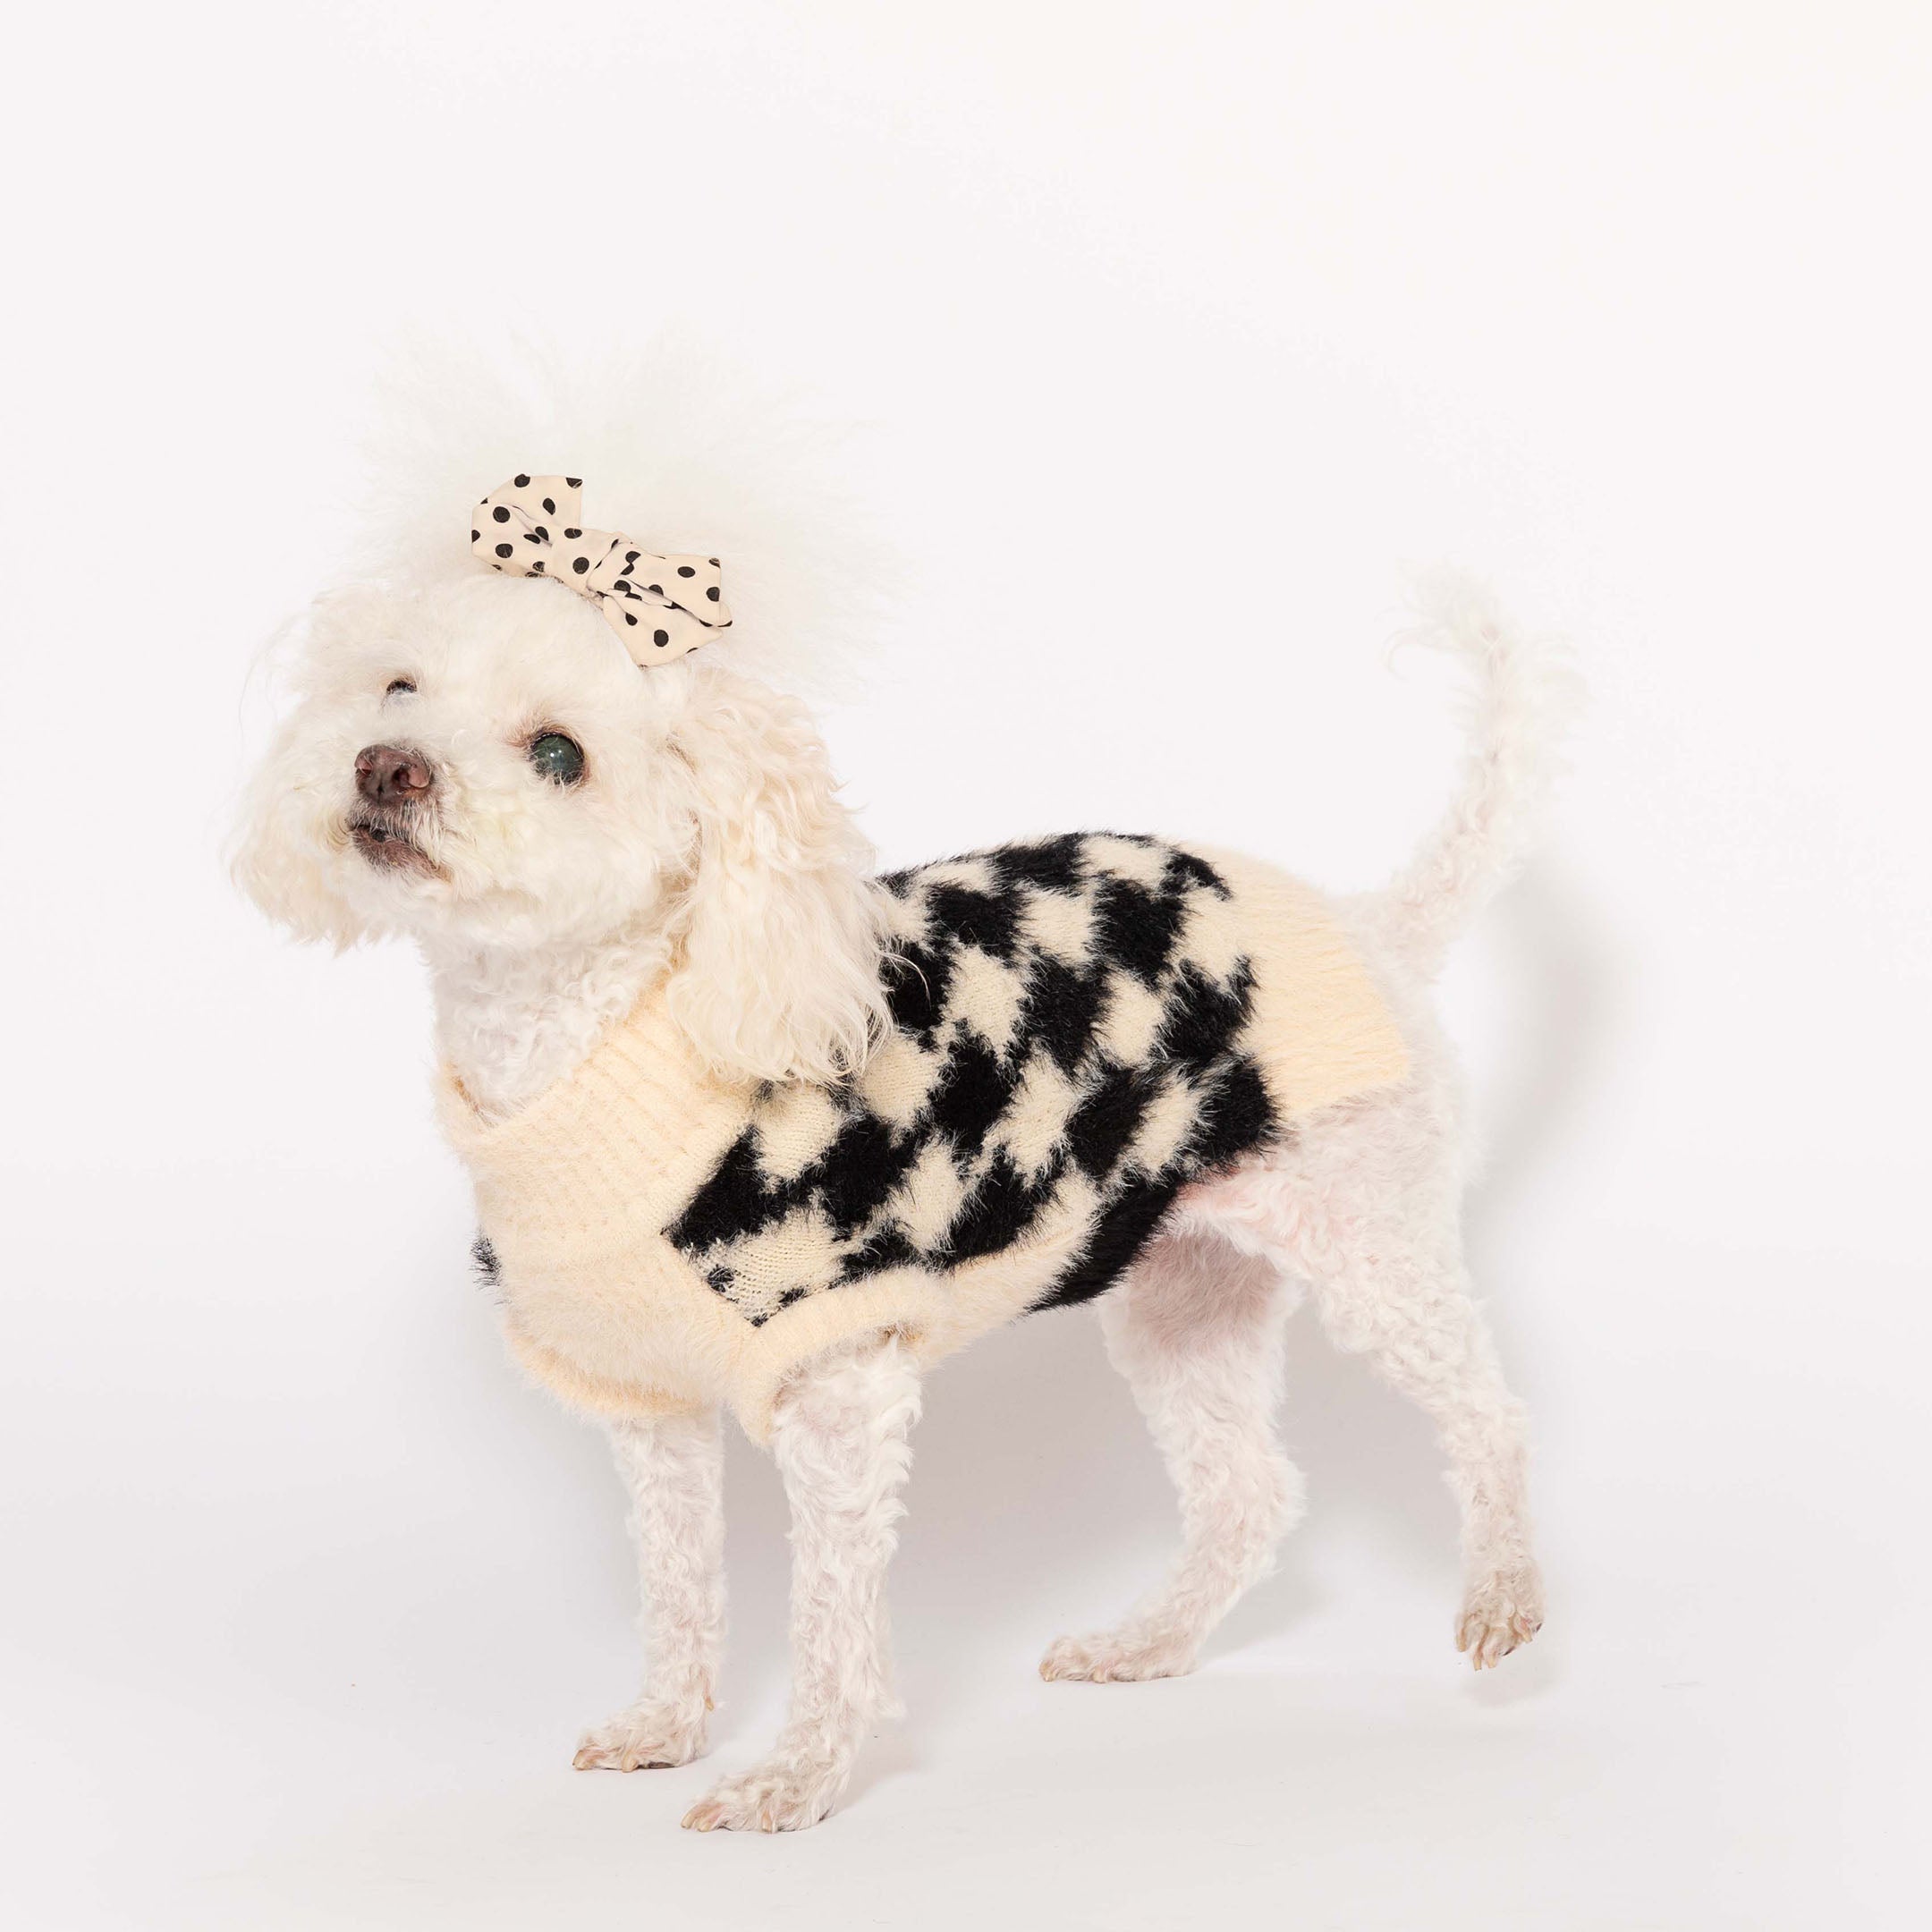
[474, 762]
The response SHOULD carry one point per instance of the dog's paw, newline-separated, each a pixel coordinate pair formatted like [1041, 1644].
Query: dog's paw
[649, 1736]
[1116, 1656]
[1499, 1615]
[782, 1794]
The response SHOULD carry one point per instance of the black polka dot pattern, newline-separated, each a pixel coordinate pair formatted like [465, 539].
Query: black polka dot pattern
[602, 566]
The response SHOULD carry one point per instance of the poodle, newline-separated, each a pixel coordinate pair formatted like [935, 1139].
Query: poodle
[752, 1128]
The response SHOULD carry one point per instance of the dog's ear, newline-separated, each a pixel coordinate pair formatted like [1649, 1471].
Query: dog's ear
[778, 973]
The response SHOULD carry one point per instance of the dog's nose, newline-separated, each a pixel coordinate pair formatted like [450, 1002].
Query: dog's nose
[388, 775]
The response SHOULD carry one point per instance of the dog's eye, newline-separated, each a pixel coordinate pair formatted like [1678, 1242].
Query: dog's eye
[559, 759]
[399, 684]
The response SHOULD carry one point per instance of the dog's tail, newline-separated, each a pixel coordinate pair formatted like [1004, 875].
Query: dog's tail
[1523, 694]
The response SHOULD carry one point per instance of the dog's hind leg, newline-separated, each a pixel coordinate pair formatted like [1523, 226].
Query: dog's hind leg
[839, 1434]
[1408, 1306]
[1368, 1217]
[1195, 1328]
[674, 1468]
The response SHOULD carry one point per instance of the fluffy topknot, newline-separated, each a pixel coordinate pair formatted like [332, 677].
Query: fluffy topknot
[677, 450]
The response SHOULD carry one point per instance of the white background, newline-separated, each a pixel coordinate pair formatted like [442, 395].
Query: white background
[1207, 318]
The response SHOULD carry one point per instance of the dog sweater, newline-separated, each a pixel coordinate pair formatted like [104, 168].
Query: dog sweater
[1081, 1026]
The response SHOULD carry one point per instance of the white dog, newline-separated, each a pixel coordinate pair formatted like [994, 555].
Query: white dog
[476, 762]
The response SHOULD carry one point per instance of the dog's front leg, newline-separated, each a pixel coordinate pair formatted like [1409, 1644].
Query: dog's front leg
[839, 1434]
[675, 1472]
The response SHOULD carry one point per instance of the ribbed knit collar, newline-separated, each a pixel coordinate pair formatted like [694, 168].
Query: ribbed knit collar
[645, 1070]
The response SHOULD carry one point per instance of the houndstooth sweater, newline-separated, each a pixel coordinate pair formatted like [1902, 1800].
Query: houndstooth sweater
[1081, 1027]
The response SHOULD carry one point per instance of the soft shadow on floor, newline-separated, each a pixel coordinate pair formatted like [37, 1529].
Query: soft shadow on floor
[1563, 1002]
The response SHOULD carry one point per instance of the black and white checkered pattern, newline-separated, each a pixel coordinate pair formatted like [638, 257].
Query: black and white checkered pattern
[1068, 1017]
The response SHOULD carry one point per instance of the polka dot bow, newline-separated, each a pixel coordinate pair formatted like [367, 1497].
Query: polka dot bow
[661, 607]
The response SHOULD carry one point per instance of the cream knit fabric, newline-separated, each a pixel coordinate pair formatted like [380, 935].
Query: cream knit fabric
[1082, 1026]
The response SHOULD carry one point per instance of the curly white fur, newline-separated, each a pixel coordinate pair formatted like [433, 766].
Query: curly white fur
[707, 834]
[674, 1469]
[1197, 1331]
[1522, 695]
[840, 1437]
[707, 840]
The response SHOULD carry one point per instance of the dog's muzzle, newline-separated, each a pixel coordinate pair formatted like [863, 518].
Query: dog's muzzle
[392, 783]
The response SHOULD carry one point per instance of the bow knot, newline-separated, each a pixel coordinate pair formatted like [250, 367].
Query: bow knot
[661, 607]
